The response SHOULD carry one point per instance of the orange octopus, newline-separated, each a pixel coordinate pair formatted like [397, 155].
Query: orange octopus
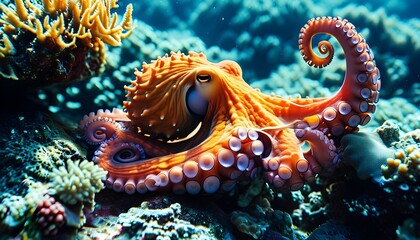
[195, 126]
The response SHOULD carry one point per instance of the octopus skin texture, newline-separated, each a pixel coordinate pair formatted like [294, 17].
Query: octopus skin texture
[193, 126]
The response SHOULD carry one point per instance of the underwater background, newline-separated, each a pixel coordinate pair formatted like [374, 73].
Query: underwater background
[43, 153]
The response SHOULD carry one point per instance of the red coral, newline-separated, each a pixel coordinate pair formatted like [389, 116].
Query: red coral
[51, 216]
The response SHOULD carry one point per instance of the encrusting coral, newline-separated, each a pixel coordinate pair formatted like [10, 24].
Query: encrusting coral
[146, 222]
[67, 36]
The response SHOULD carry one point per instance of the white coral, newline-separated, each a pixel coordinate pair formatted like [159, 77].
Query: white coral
[78, 182]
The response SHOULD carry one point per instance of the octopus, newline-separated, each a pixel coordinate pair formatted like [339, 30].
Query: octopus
[193, 126]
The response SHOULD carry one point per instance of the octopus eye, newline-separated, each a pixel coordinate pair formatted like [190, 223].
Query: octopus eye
[203, 78]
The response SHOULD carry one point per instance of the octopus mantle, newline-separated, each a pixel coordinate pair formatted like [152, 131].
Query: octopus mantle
[195, 126]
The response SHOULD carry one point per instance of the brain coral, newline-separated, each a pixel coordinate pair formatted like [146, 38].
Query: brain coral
[68, 36]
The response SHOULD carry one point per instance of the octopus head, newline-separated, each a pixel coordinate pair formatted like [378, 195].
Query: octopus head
[210, 80]
[170, 96]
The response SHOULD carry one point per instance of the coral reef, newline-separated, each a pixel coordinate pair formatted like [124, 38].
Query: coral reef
[17, 213]
[311, 209]
[389, 132]
[407, 117]
[47, 179]
[248, 224]
[67, 36]
[12, 213]
[256, 214]
[32, 143]
[162, 216]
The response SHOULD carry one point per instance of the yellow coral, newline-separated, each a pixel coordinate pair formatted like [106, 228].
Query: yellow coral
[404, 165]
[70, 19]
[8, 48]
[58, 40]
[65, 21]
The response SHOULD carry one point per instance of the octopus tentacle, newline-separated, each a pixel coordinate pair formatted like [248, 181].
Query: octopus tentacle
[102, 125]
[355, 101]
[286, 165]
[290, 167]
[322, 149]
[194, 171]
[251, 142]
[125, 149]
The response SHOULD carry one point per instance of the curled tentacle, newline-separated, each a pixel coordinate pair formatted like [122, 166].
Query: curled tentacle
[119, 151]
[358, 96]
[102, 125]
[200, 172]
[324, 47]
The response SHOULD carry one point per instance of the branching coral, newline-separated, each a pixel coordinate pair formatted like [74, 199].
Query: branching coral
[67, 35]
[78, 182]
